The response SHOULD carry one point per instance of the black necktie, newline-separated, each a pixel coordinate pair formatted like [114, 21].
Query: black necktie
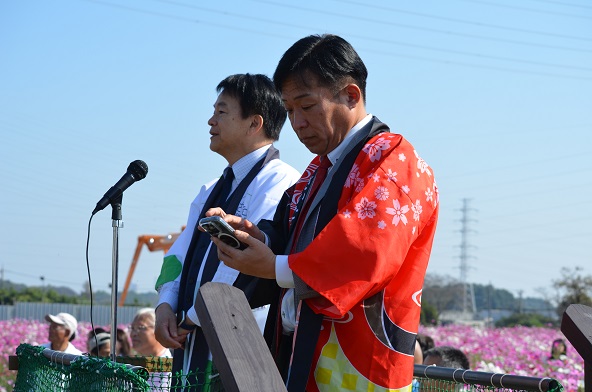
[226, 186]
[212, 263]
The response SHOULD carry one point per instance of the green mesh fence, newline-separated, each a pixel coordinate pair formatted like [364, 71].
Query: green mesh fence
[74, 373]
[40, 371]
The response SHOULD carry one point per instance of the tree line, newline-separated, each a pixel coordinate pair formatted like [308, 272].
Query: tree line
[440, 294]
[444, 293]
[11, 293]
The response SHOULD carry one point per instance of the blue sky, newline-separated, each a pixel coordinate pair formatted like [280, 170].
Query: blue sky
[495, 95]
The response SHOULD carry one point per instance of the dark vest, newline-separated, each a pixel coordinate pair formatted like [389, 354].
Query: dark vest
[258, 291]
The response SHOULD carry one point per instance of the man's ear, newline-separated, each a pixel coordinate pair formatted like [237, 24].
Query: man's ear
[353, 95]
[256, 123]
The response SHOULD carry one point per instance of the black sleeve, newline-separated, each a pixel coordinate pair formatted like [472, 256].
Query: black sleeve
[277, 230]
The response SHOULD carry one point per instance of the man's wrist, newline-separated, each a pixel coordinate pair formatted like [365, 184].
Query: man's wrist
[186, 323]
[283, 273]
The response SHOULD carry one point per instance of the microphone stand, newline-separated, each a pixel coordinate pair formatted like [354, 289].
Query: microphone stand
[116, 224]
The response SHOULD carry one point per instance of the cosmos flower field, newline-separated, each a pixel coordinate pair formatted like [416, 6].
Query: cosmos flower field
[517, 350]
[522, 351]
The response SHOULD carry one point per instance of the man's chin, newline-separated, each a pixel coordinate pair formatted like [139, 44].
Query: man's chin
[316, 150]
[312, 147]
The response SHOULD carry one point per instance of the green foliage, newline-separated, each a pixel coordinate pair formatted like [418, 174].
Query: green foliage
[444, 293]
[574, 288]
[488, 297]
[429, 314]
[441, 292]
[10, 295]
[526, 320]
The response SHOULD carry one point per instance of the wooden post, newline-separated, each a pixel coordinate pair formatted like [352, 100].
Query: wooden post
[576, 325]
[238, 348]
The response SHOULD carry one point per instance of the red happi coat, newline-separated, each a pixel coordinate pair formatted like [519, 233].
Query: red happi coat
[368, 264]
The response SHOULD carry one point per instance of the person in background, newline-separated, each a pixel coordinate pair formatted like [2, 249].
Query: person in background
[417, 360]
[425, 342]
[103, 340]
[62, 330]
[417, 354]
[446, 356]
[351, 246]
[123, 347]
[558, 350]
[145, 344]
[142, 333]
[91, 335]
[248, 117]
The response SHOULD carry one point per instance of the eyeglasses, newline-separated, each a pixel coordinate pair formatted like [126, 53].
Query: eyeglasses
[139, 328]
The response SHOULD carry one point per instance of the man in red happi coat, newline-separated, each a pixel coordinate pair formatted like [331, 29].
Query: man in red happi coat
[351, 253]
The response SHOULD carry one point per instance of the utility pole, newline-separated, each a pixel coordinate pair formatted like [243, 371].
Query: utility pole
[42, 278]
[520, 303]
[468, 295]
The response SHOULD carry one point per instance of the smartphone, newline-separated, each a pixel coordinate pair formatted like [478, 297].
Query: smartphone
[216, 226]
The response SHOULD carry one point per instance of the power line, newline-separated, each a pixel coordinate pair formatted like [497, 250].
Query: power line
[37, 277]
[478, 55]
[185, 19]
[375, 39]
[565, 4]
[469, 65]
[468, 22]
[538, 162]
[413, 57]
[413, 27]
[527, 9]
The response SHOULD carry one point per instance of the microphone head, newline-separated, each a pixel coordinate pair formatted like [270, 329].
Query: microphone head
[138, 169]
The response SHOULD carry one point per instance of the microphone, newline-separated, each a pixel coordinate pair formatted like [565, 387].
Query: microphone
[136, 171]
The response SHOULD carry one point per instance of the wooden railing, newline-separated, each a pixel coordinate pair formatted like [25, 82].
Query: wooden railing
[576, 325]
[238, 348]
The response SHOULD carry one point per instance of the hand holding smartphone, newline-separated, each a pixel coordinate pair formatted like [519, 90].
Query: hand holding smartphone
[218, 227]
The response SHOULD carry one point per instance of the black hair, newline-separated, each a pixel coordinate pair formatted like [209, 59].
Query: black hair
[555, 343]
[330, 58]
[123, 346]
[257, 94]
[450, 357]
[425, 342]
[100, 341]
[95, 331]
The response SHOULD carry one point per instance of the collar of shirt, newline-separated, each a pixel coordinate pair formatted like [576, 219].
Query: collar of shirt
[243, 166]
[335, 155]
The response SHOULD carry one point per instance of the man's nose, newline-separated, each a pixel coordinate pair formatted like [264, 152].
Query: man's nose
[298, 120]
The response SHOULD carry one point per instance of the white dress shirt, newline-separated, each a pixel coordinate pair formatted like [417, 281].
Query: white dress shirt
[259, 202]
